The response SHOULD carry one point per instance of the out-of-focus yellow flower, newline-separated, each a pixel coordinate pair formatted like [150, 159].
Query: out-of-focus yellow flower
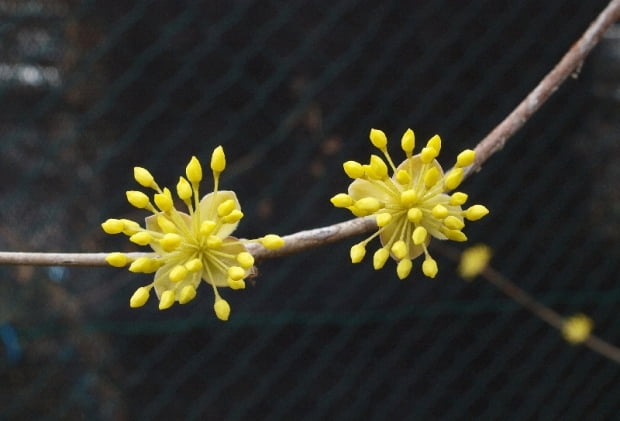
[473, 261]
[188, 247]
[577, 328]
[412, 205]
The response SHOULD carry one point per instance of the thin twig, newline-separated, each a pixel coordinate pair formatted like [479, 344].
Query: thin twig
[568, 65]
[492, 143]
[534, 306]
[545, 313]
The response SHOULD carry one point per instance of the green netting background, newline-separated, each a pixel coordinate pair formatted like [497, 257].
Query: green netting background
[91, 88]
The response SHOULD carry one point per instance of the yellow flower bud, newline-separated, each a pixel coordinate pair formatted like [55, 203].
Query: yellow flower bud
[117, 259]
[473, 261]
[232, 284]
[428, 154]
[357, 211]
[358, 252]
[414, 215]
[458, 198]
[376, 169]
[431, 177]
[465, 158]
[475, 212]
[429, 267]
[170, 241]
[379, 168]
[455, 235]
[353, 169]
[113, 226]
[166, 224]
[214, 242]
[187, 294]
[454, 223]
[193, 171]
[143, 265]
[218, 160]
[207, 227]
[166, 300]
[143, 177]
[178, 273]
[453, 179]
[379, 258]
[222, 309]
[233, 217]
[407, 142]
[164, 200]
[408, 198]
[368, 204]
[226, 207]
[403, 269]
[341, 200]
[419, 235]
[139, 298]
[137, 199]
[403, 177]
[439, 211]
[378, 138]
[184, 189]
[399, 249]
[272, 241]
[141, 238]
[130, 227]
[383, 219]
[576, 329]
[194, 265]
[235, 273]
[435, 143]
[245, 259]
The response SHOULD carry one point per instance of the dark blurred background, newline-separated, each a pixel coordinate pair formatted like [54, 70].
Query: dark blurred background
[91, 88]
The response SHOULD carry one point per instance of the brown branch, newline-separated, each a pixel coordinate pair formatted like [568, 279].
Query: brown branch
[294, 243]
[569, 64]
[305, 240]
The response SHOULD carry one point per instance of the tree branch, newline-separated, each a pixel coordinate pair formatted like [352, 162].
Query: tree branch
[492, 143]
[568, 65]
[294, 243]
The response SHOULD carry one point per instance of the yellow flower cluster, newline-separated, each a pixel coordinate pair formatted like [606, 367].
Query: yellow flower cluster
[411, 206]
[188, 247]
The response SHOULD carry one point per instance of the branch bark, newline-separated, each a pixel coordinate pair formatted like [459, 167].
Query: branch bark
[570, 64]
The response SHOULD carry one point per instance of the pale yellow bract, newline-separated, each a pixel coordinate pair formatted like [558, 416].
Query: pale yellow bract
[188, 248]
[411, 206]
